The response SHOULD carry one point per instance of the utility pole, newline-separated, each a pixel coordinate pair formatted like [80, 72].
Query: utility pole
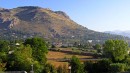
[32, 69]
[70, 69]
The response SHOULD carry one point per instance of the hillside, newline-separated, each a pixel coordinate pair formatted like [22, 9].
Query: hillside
[30, 21]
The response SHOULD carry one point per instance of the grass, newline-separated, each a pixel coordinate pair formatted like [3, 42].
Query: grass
[57, 63]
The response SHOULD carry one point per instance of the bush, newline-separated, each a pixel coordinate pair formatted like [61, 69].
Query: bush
[103, 65]
[49, 69]
[127, 61]
[118, 67]
[99, 67]
[62, 69]
[76, 66]
[88, 67]
[2, 67]
[53, 46]
[94, 51]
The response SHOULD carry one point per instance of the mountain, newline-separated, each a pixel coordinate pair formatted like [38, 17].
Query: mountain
[32, 21]
[117, 32]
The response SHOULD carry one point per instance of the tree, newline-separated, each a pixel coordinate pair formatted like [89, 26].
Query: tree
[39, 48]
[3, 56]
[76, 66]
[20, 60]
[98, 47]
[4, 49]
[116, 50]
[4, 46]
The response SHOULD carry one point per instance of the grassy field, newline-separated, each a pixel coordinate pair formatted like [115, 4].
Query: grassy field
[64, 53]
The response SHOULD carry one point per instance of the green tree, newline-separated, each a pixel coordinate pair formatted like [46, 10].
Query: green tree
[3, 56]
[97, 46]
[39, 49]
[116, 50]
[4, 49]
[20, 60]
[4, 46]
[76, 66]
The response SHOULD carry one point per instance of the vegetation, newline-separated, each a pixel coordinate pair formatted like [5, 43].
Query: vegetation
[30, 54]
[33, 51]
[99, 67]
[76, 66]
[118, 67]
[116, 50]
[39, 48]
[117, 59]
[20, 57]
[62, 69]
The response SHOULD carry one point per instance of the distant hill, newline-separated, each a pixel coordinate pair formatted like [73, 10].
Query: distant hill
[123, 33]
[31, 21]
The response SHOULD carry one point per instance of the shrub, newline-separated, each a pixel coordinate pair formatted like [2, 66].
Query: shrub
[127, 61]
[88, 67]
[103, 65]
[118, 67]
[76, 66]
[49, 69]
[62, 69]
[99, 67]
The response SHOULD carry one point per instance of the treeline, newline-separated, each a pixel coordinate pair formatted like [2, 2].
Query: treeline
[102, 66]
[30, 55]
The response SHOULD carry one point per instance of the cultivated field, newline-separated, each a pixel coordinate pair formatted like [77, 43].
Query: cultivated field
[64, 53]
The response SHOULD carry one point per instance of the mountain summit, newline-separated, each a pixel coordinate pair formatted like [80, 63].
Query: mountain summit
[30, 21]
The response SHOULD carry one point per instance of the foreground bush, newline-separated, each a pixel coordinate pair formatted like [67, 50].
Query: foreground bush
[76, 66]
[102, 66]
[49, 69]
[118, 67]
[62, 69]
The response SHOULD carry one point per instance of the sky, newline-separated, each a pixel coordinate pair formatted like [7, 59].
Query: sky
[98, 15]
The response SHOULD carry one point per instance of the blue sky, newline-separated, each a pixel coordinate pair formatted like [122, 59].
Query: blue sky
[99, 15]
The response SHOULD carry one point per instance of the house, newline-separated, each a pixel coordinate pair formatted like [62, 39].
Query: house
[17, 44]
[57, 44]
[10, 52]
